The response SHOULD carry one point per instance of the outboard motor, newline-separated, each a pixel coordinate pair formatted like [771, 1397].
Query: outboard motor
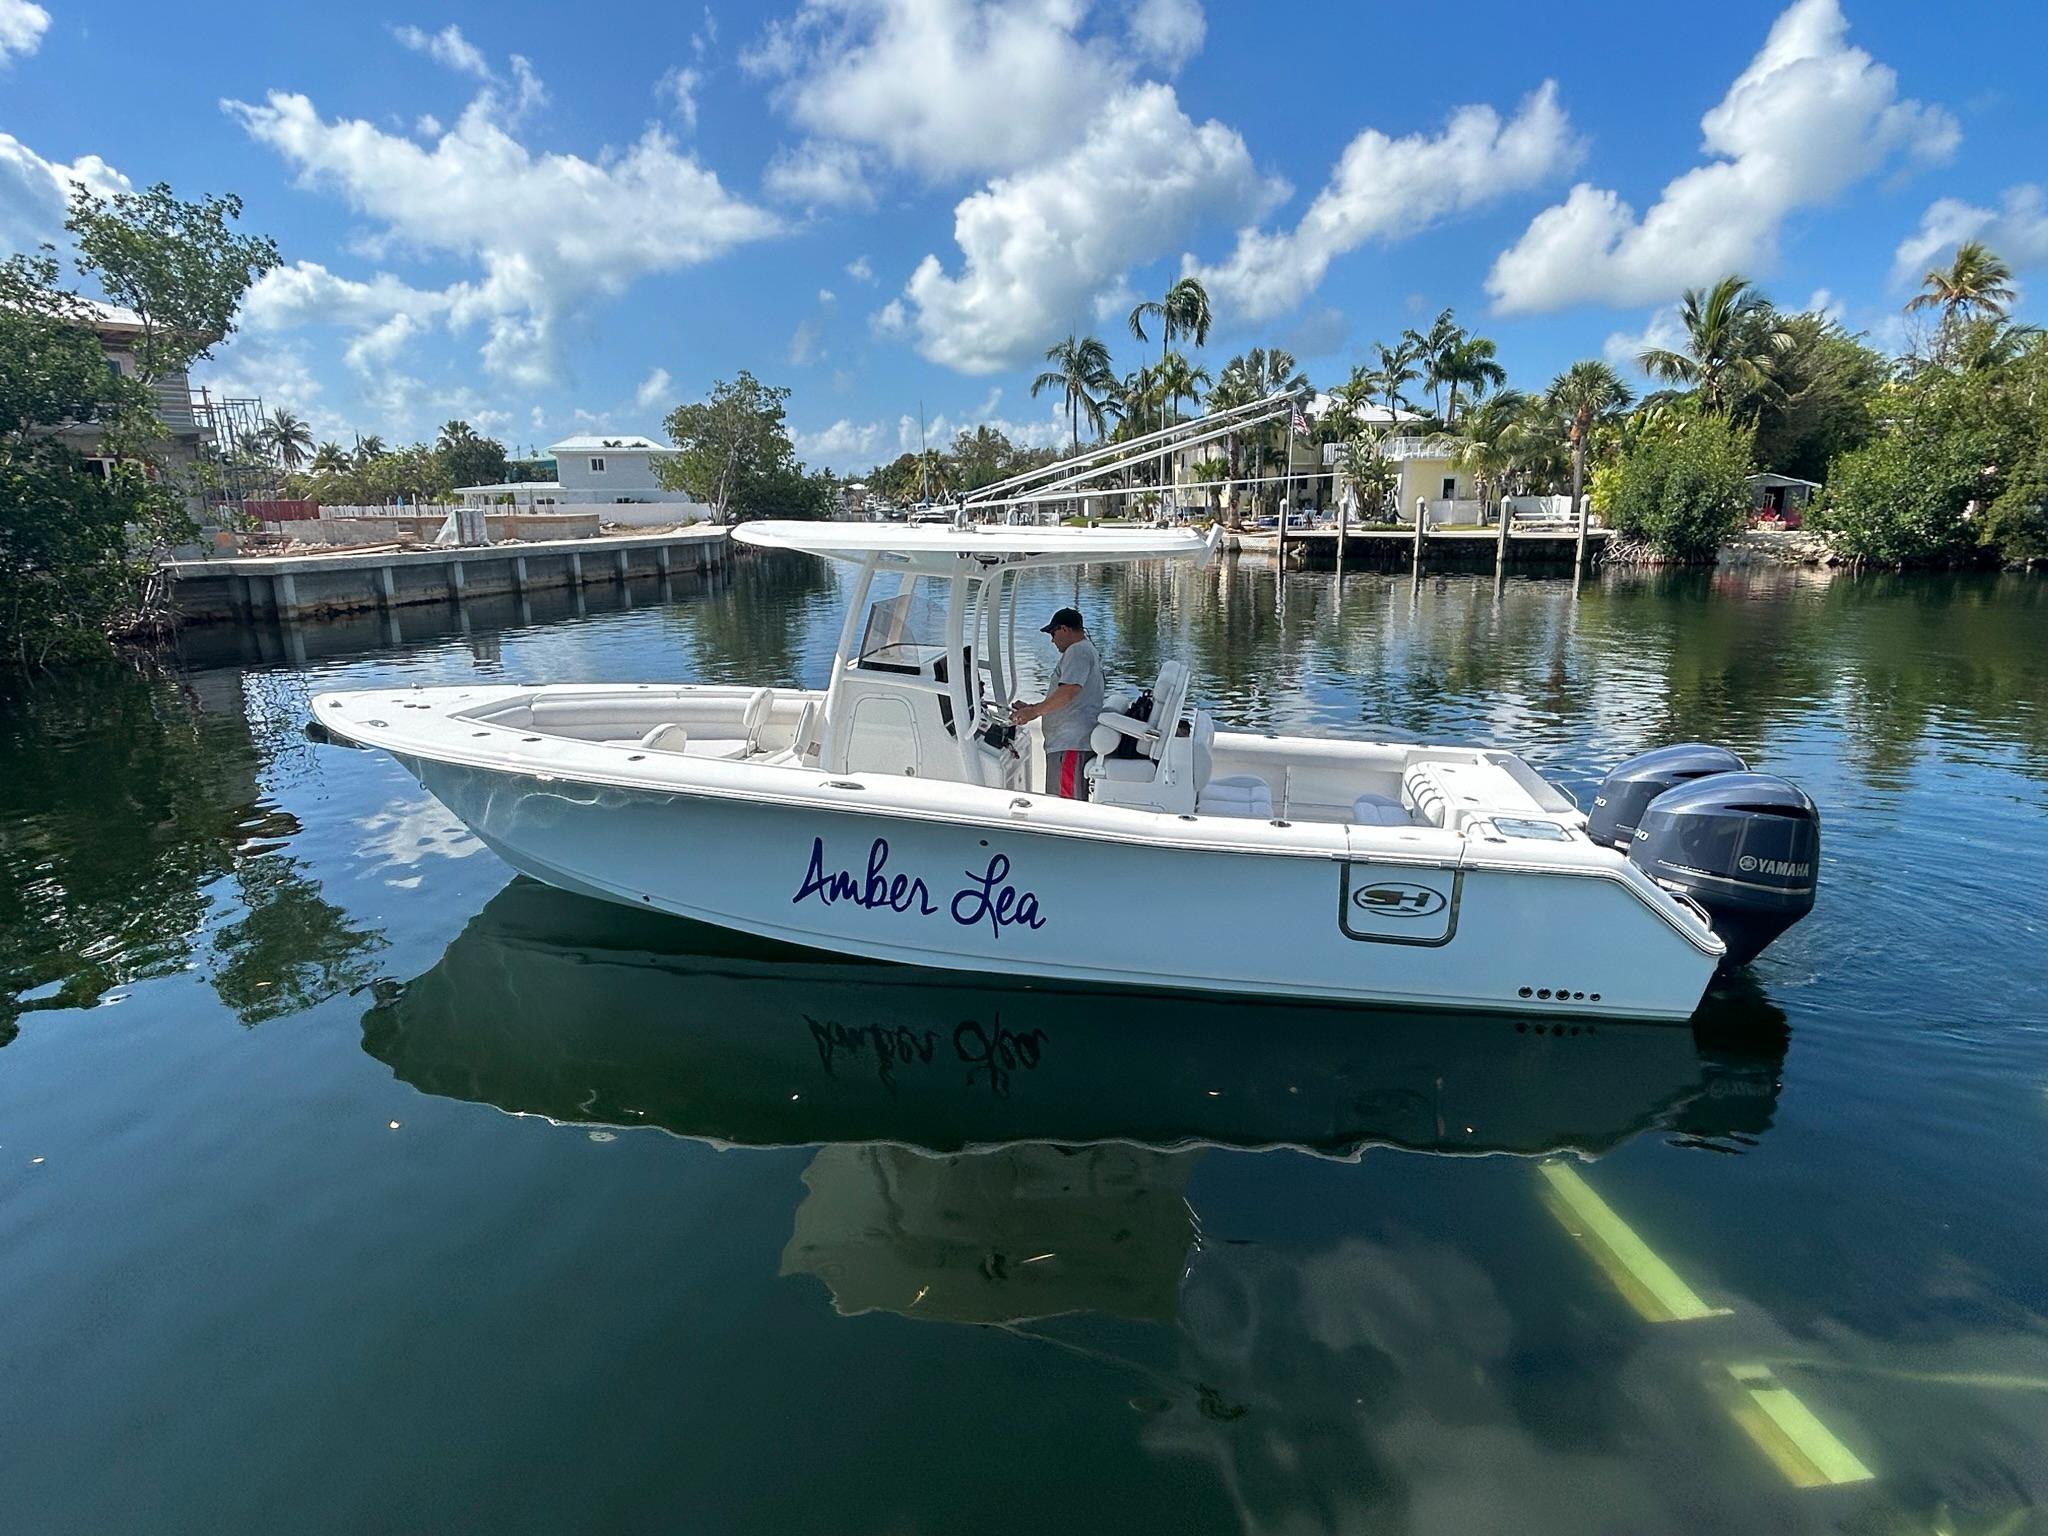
[1744, 846]
[1627, 791]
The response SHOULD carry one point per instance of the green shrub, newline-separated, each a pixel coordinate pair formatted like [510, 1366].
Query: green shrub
[1886, 501]
[1684, 492]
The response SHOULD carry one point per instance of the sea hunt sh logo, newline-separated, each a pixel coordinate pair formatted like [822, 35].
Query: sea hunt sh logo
[1750, 864]
[987, 897]
[1392, 898]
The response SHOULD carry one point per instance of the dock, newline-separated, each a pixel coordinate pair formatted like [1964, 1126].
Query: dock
[1383, 548]
[256, 587]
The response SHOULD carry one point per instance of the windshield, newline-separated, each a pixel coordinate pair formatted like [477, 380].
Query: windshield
[904, 629]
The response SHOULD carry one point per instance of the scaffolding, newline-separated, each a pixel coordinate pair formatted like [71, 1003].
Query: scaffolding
[230, 448]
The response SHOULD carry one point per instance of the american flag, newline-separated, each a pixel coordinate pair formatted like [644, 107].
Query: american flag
[1300, 423]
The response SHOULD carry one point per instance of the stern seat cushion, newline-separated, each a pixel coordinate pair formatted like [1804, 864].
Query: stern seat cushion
[1380, 811]
[1238, 794]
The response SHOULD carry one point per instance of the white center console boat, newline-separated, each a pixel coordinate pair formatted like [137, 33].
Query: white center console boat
[897, 814]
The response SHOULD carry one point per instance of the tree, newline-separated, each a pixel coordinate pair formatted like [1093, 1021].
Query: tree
[1491, 441]
[1974, 283]
[77, 539]
[1585, 394]
[178, 266]
[1177, 381]
[1433, 349]
[1263, 373]
[1733, 343]
[736, 453]
[1394, 367]
[368, 450]
[1954, 463]
[1827, 380]
[1471, 362]
[1207, 473]
[1685, 492]
[468, 459]
[981, 456]
[1081, 372]
[329, 459]
[1184, 312]
[1372, 474]
[287, 439]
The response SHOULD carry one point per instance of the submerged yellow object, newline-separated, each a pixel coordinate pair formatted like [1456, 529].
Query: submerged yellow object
[1650, 1285]
[1787, 1431]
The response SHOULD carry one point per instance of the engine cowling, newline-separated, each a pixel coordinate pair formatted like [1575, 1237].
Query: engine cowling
[1629, 788]
[1744, 846]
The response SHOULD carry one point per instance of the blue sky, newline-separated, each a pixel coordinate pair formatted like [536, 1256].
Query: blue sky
[549, 220]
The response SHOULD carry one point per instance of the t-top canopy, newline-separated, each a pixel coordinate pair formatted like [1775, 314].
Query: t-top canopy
[944, 551]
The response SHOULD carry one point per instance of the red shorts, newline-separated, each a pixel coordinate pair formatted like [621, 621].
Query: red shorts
[1064, 775]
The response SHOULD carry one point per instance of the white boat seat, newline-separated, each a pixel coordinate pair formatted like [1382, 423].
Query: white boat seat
[1236, 794]
[1126, 770]
[666, 737]
[1380, 811]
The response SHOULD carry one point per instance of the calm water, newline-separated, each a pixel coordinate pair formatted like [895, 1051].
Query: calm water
[349, 1184]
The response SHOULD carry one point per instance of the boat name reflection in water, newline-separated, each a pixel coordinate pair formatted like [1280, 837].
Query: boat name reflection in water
[992, 1055]
[987, 897]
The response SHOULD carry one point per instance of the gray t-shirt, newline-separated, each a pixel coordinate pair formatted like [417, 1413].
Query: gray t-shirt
[1068, 730]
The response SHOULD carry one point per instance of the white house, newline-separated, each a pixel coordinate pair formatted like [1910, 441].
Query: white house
[611, 474]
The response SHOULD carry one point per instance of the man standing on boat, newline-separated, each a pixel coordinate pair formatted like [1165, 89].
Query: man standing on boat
[1070, 711]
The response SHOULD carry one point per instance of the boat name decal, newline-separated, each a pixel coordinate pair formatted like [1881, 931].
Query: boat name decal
[987, 897]
[1394, 898]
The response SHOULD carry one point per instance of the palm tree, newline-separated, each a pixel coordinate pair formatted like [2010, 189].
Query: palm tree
[1208, 471]
[1974, 283]
[1491, 442]
[369, 450]
[1178, 381]
[288, 439]
[1372, 474]
[1080, 371]
[1183, 312]
[329, 458]
[1733, 340]
[1470, 362]
[454, 435]
[1265, 374]
[1433, 348]
[1586, 394]
[1396, 367]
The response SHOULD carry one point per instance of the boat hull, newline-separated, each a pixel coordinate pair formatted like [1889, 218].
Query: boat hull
[1005, 899]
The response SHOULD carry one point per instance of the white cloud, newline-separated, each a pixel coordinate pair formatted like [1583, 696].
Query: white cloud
[427, 126]
[942, 87]
[448, 48]
[34, 192]
[1664, 330]
[1824, 303]
[1808, 118]
[819, 174]
[859, 270]
[840, 445]
[1039, 244]
[548, 233]
[679, 87]
[891, 320]
[653, 390]
[827, 296]
[307, 293]
[2016, 230]
[277, 374]
[1388, 189]
[803, 346]
[22, 24]
[1168, 32]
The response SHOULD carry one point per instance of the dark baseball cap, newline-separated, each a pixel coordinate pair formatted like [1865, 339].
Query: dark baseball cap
[1067, 617]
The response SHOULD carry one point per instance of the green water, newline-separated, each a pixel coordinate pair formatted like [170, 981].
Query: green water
[348, 1184]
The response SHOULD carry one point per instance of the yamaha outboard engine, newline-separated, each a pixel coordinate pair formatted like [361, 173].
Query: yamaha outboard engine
[1628, 790]
[1744, 846]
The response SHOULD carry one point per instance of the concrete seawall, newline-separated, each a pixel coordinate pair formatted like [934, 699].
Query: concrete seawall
[307, 586]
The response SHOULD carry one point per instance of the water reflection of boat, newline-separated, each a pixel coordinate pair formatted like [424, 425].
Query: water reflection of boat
[554, 1005]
